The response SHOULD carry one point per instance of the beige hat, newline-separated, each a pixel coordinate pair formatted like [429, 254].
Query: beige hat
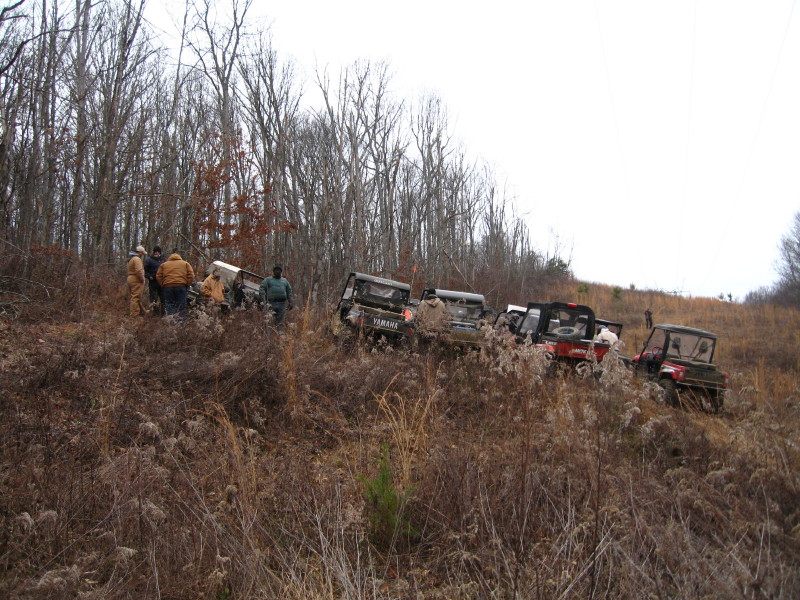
[141, 249]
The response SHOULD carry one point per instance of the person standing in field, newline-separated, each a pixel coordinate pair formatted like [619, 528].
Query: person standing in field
[136, 283]
[648, 318]
[175, 276]
[212, 290]
[151, 265]
[431, 317]
[276, 292]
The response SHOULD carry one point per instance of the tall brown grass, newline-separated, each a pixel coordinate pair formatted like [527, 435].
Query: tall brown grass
[218, 459]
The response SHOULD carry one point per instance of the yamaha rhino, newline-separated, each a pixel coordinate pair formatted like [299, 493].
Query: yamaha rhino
[373, 307]
[241, 286]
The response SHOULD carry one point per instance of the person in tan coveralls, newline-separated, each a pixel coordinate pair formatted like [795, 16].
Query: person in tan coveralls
[136, 283]
[212, 289]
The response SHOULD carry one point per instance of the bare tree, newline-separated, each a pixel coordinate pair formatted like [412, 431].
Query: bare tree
[217, 46]
[104, 144]
[787, 290]
[121, 58]
[84, 40]
[11, 43]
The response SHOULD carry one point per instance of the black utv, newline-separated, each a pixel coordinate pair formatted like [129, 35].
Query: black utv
[374, 307]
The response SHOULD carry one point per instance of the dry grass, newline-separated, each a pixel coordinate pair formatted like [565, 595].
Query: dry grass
[219, 460]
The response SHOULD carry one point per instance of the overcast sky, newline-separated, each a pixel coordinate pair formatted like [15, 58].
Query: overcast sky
[657, 142]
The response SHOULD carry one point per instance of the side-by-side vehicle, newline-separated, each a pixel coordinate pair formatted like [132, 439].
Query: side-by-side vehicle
[465, 314]
[374, 306]
[564, 329]
[681, 360]
[241, 286]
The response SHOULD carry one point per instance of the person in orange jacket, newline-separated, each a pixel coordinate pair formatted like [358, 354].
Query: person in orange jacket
[212, 289]
[175, 276]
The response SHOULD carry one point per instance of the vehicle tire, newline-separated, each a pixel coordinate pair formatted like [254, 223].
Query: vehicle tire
[345, 339]
[584, 369]
[670, 392]
[404, 343]
[717, 400]
[696, 399]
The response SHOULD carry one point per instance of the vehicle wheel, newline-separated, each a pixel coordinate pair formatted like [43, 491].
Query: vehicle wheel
[670, 392]
[345, 340]
[584, 369]
[404, 343]
[717, 400]
[697, 399]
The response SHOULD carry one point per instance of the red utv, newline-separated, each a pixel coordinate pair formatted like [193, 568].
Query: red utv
[680, 359]
[566, 330]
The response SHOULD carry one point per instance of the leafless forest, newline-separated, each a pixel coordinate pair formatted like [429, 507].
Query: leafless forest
[217, 459]
[110, 140]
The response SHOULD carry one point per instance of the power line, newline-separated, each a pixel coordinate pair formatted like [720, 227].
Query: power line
[737, 196]
[688, 139]
[613, 105]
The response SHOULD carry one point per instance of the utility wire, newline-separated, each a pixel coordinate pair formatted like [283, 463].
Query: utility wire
[737, 197]
[613, 104]
[688, 139]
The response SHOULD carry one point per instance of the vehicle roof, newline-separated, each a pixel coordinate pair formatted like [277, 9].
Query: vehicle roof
[607, 322]
[515, 307]
[581, 307]
[224, 265]
[384, 281]
[453, 295]
[687, 330]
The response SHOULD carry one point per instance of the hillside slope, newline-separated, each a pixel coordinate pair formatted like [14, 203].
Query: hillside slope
[219, 460]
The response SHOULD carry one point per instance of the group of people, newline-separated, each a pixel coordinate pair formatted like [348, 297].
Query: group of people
[169, 280]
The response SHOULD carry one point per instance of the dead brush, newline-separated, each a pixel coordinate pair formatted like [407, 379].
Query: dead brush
[526, 363]
[409, 421]
[289, 377]
[525, 485]
[214, 492]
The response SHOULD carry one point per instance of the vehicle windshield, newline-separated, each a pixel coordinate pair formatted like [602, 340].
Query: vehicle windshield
[379, 292]
[460, 311]
[531, 321]
[689, 346]
[655, 344]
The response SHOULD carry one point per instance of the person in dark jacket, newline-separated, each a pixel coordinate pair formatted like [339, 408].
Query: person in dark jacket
[277, 293]
[151, 264]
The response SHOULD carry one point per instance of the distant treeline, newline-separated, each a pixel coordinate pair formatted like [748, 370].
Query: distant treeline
[109, 141]
[785, 291]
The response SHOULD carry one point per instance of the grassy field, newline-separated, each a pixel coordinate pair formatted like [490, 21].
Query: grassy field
[219, 460]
